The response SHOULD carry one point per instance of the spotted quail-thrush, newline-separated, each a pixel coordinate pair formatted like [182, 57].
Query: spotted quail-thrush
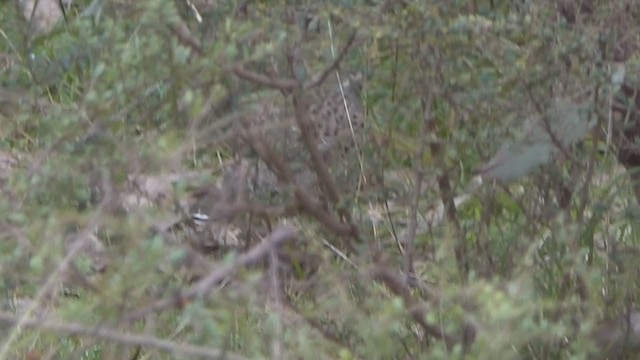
[336, 116]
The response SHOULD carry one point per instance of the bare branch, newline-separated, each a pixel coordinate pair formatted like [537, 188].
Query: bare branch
[281, 84]
[279, 236]
[287, 85]
[308, 203]
[184, 35]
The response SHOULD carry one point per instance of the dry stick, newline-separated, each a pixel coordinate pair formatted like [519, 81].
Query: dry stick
[279, 236]
[118, 336]
[410, 239]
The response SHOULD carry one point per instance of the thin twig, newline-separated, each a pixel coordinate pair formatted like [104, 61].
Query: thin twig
[344, 99]
[269, 81]
[287, 85]
[279, 236]
[320, 78]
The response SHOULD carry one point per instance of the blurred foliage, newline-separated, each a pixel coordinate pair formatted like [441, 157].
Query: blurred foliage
[534, 267]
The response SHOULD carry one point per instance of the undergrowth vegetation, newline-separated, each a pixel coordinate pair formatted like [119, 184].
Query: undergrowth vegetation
[487, 209]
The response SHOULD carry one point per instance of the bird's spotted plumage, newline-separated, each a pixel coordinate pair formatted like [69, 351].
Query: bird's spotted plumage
[335, 114]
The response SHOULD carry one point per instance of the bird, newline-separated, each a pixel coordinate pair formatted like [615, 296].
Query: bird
[337, 118]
